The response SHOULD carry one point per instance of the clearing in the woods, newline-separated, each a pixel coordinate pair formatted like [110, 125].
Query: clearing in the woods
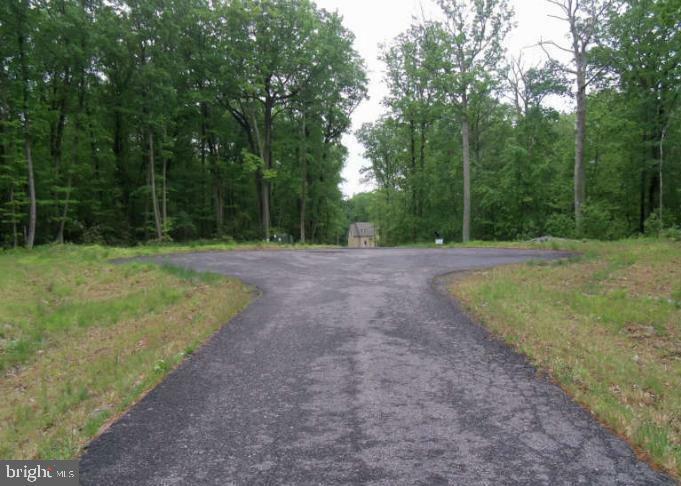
[82, 339]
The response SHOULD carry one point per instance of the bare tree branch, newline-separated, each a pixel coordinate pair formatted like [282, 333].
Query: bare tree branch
[563, 19]
[560, 65]
[554, 44]
[595, 76]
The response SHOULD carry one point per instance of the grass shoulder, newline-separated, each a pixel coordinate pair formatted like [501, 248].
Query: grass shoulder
[606, 326]
[82, 339]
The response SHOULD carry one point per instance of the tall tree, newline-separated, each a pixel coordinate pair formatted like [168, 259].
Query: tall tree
[22, 22]
[277, 48]
[584, 19]
[473, 34]
[644, 53]
[410, 62]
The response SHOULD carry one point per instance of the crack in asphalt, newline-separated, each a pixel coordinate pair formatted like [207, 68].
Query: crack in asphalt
[354, 367]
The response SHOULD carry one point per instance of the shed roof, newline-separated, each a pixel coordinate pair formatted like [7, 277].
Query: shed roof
[362, 229]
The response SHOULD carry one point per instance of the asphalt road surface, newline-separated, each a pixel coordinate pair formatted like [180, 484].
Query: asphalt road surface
[354, 367]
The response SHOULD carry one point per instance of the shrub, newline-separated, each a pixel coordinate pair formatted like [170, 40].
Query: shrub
[183, 227]
[560, 225]
[673, 233]
[93, 235]
[653, 225]
[600, 223]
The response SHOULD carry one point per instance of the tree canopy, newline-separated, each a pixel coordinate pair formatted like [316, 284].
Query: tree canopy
[124, 121]
[457, 102]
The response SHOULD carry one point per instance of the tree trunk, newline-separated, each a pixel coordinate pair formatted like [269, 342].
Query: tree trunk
[422, 163]
[15, 237]
[120, 150]
[208, 188]
[218, 186]
[62, 220]
[580, 136]
[303, 188]
[57, 143]
[164, 195]
[266, 184]
[642, 203]
[31, 184]
[465, 134]
[76, 144]
[662, 138]
[219, 208]
[412, 177]
[30, 237]
[302, 207]
[57, 129]
[152, 183]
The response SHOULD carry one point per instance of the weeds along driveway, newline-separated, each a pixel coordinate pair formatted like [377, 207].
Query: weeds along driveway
[352, 368]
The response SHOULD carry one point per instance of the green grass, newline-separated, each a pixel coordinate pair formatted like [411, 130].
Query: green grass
[555, 245]
[605, 325]
[82, 339]
[189, 275]
[194, 246]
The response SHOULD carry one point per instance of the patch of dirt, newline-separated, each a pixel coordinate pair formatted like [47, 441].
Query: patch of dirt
[644, 279]
[641, 331]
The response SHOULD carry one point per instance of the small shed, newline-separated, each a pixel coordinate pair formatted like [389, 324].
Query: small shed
[362, 235]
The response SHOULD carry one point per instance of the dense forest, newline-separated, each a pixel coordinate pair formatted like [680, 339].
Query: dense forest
[128, 121]
[470, 147]
[124, 121]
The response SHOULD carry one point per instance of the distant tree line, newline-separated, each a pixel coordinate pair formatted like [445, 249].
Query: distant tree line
[132, 120]
[471, 148]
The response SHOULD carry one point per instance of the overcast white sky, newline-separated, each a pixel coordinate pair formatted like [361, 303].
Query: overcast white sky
[379, 21]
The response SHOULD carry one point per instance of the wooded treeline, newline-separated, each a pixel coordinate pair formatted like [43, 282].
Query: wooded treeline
[471, 148]
[123, 121]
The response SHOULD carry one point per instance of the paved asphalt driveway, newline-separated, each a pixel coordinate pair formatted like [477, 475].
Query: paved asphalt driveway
[353, 368]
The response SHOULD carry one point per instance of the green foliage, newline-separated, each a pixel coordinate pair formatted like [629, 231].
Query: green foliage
[186, 119]
[191, 275]
[673, 233]
[653, 225]
[560, 225]
[173, 119]
[359, 208]
[601, 223]
[523, 152]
